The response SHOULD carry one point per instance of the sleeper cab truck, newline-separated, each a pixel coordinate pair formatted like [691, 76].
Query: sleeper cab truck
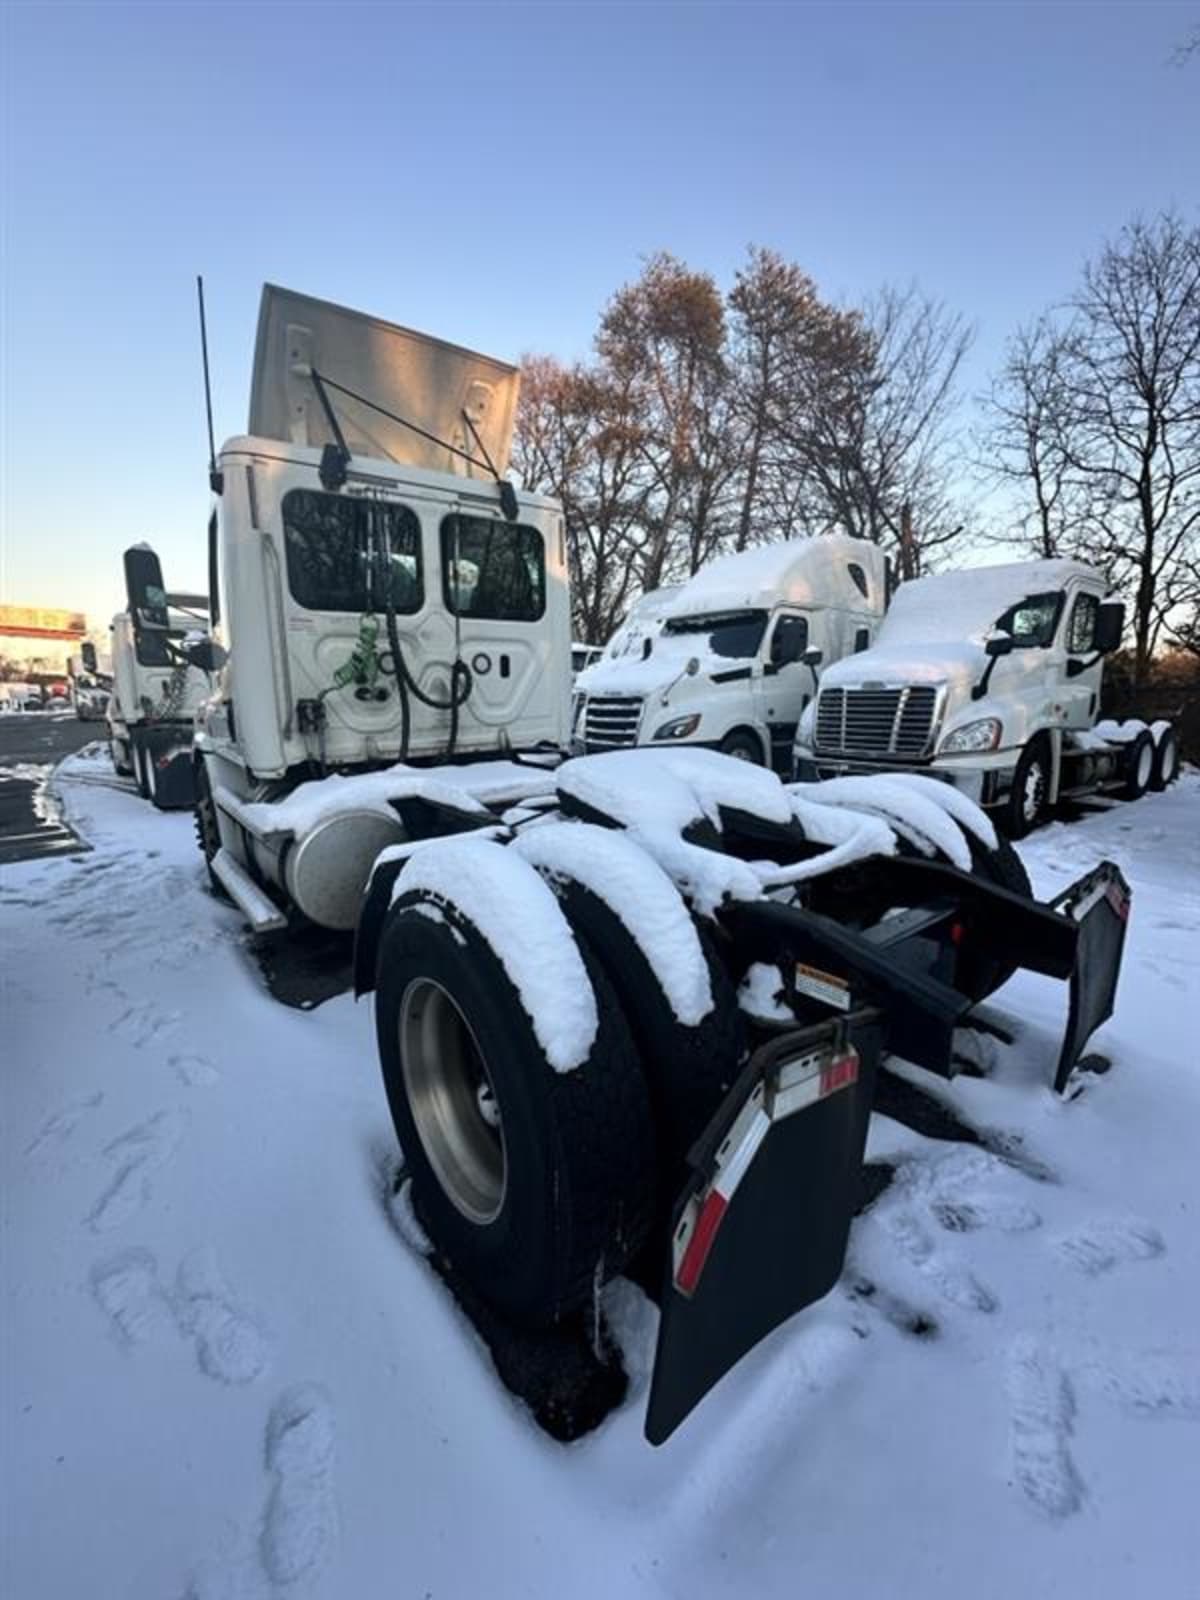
[729, 660]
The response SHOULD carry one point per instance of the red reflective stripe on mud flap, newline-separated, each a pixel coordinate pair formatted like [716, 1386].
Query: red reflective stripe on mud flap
[841, 1072]
[712, 1213]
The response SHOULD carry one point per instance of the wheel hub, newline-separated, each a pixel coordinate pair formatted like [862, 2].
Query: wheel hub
[452, 1101]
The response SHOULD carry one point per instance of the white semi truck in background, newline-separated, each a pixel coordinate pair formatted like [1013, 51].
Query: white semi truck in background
[155, 688]
[728, 660]
[629, 1006]
[989, 679]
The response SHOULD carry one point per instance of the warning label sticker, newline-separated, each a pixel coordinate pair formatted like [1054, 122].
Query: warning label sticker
[826, 987]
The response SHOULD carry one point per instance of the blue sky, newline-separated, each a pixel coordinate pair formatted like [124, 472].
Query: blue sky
[491, 174]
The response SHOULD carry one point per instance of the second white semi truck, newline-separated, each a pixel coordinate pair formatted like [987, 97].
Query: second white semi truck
[728, 661]
[989, 679]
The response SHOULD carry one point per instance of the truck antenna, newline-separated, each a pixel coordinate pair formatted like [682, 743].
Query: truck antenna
[216, 480]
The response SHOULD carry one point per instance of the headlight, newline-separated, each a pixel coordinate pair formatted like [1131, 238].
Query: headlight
[981, 735]
[679, 727]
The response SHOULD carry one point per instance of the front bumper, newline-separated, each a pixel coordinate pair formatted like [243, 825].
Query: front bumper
[986, 785]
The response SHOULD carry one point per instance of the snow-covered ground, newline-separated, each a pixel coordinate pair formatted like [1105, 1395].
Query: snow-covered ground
[226, 1375]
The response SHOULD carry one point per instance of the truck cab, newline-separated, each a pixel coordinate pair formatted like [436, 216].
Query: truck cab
[156, 690]
[729, 660]
[987, 678]
[386, 595]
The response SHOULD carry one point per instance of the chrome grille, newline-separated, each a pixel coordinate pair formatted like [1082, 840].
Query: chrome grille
[877, 722]
[610, 722]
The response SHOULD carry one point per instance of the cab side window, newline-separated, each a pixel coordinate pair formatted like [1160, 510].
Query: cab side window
[789, 641]
[1081, 634]
[1032, 621]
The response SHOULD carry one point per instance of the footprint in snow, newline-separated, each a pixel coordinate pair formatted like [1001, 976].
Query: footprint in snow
[195, 1071]
[62, 1124]
[300, 1523]
[229, 1346]
[127, 1290]
[1042, 1394]
[142, 1023]
[1106, 1242]
[136, 1154]
[952, 1282]
[1041, 1421]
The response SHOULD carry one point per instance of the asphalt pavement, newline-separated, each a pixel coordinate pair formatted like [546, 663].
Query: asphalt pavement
[30, 743]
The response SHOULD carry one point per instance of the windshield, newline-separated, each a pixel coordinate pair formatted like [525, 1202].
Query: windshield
[729, 633]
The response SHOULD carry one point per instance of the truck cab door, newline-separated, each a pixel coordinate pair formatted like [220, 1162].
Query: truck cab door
[786, 685]
[1081, 691]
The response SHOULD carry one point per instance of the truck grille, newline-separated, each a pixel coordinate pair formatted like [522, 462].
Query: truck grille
[877, 722]
[610, 722]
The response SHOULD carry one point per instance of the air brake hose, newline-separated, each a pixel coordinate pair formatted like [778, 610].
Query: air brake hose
[460, 687]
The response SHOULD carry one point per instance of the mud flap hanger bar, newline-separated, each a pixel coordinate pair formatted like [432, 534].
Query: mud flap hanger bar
[1079, 936]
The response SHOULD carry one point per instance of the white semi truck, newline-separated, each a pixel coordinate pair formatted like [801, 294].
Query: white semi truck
[989, 679]
[731, 659]
[155, 688]
[629, 1006]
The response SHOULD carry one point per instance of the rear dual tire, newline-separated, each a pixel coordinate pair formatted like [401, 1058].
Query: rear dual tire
[536, 1185]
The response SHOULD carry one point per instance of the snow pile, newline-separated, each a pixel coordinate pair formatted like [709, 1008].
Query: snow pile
[518, 915]
[922, 814]
[638, 790]
[612, 867]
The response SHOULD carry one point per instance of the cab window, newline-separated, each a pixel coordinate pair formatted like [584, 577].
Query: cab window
[1032, 621]
[350, 554]
[859, 579]
[789, 641]
[1081, 634]
[493, 569]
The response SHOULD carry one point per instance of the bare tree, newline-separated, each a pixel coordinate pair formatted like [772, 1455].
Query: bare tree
[876, 437]
[1025, 441]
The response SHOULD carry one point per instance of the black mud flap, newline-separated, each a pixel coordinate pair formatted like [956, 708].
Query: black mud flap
[1098, 904]
[760, 1230]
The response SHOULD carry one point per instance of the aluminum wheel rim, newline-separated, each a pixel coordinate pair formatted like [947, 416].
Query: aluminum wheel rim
[452, 1101]
[1035, 788]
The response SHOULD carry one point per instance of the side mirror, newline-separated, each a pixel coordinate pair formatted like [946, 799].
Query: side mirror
[1110, 625]
[145, 591]
[693, 666]
[813, 657]
[998, 644]
[206, 654]
[87, 654]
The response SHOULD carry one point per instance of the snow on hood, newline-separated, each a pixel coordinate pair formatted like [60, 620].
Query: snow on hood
[960, 664]
[667, 662]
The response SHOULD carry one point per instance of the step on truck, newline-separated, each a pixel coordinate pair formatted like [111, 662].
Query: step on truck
[731, 661]
[989, 680]
[156, 684]
[630, 1006]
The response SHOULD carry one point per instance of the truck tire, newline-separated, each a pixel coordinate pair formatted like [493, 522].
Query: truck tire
[119, 754]
[1139, 766]
[1166, 761]
[208, 834]
[535, 1185]
[688, 1070]
[141, 760]
[1026, 803]
[743, 746]
[980, 971]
